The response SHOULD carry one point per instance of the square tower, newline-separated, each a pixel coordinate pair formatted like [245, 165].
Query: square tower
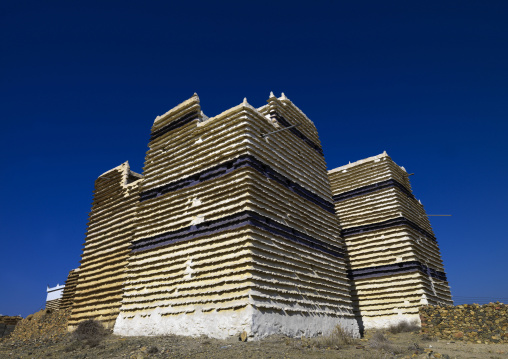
[235, 228]
[100, 278]
[394, 259]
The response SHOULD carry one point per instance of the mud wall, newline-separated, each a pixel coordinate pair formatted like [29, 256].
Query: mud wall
[395, 262]
[235, 231]
[100, 283]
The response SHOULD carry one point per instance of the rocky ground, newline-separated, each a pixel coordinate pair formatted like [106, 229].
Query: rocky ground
[473, 323]
[43, 335]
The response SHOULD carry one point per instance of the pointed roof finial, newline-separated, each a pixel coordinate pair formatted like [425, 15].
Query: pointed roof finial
[271, 94]
[283, 96]
[245, 100]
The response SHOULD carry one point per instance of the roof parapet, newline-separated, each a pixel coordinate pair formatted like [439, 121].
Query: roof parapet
[359, 162]
[194, 100]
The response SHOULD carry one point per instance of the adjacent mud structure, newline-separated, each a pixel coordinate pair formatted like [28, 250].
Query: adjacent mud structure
[236, 226]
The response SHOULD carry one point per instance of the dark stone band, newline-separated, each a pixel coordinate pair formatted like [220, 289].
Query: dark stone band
[361, 191]
[397, 268]
[182, 121]
[294, 130]
[230, 166]
[231, 222]
[400, 221]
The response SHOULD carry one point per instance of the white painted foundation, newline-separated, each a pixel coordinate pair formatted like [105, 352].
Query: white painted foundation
[224, 324]
[297, 325]
[384, 322]
[214, 324]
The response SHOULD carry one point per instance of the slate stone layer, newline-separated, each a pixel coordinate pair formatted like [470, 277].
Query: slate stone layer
[402, 267]
[395, 222]
[231, 222]
[232, 165]
[372, 188]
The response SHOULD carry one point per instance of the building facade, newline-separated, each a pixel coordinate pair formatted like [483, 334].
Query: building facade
[393, 257]
[235, 225]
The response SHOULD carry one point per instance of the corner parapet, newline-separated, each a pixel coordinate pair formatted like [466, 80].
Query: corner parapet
[128, 178]
[292, 114]
[359, 162]
[185, 108]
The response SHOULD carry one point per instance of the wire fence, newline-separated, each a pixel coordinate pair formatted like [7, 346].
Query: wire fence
[458, 299]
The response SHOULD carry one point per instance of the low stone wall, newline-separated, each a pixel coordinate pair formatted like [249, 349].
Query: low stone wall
[7, 324]
[472, 323]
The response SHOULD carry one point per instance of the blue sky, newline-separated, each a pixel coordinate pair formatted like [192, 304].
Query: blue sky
[81, 82]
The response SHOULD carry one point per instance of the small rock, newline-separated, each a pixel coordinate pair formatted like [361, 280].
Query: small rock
[243, 336]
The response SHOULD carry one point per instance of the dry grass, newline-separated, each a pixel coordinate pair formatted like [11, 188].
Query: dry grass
[91, 332]
[427, 338]
[404, 326]
[338, 338]
[380, 342]
[153, 350]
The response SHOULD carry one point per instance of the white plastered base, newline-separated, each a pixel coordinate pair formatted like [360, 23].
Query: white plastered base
[221, 324]
[298, 325]
[387, 321]
[224, 324]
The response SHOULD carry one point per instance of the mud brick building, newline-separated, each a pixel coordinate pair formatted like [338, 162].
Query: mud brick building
[394, 260]
[236, 225]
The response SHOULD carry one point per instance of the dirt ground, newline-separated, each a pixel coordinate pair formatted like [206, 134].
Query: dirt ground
[44, 335]
[402, 345]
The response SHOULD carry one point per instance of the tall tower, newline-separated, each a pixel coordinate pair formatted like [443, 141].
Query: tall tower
[101, 275]
[235, 228]
[394, 258]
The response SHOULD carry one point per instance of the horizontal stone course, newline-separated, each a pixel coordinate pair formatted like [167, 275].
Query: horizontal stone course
[235, 225]
[394, 260]
[231, 222]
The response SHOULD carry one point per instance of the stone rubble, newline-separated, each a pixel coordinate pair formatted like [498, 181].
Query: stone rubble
[43, 325]
[471, 323]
